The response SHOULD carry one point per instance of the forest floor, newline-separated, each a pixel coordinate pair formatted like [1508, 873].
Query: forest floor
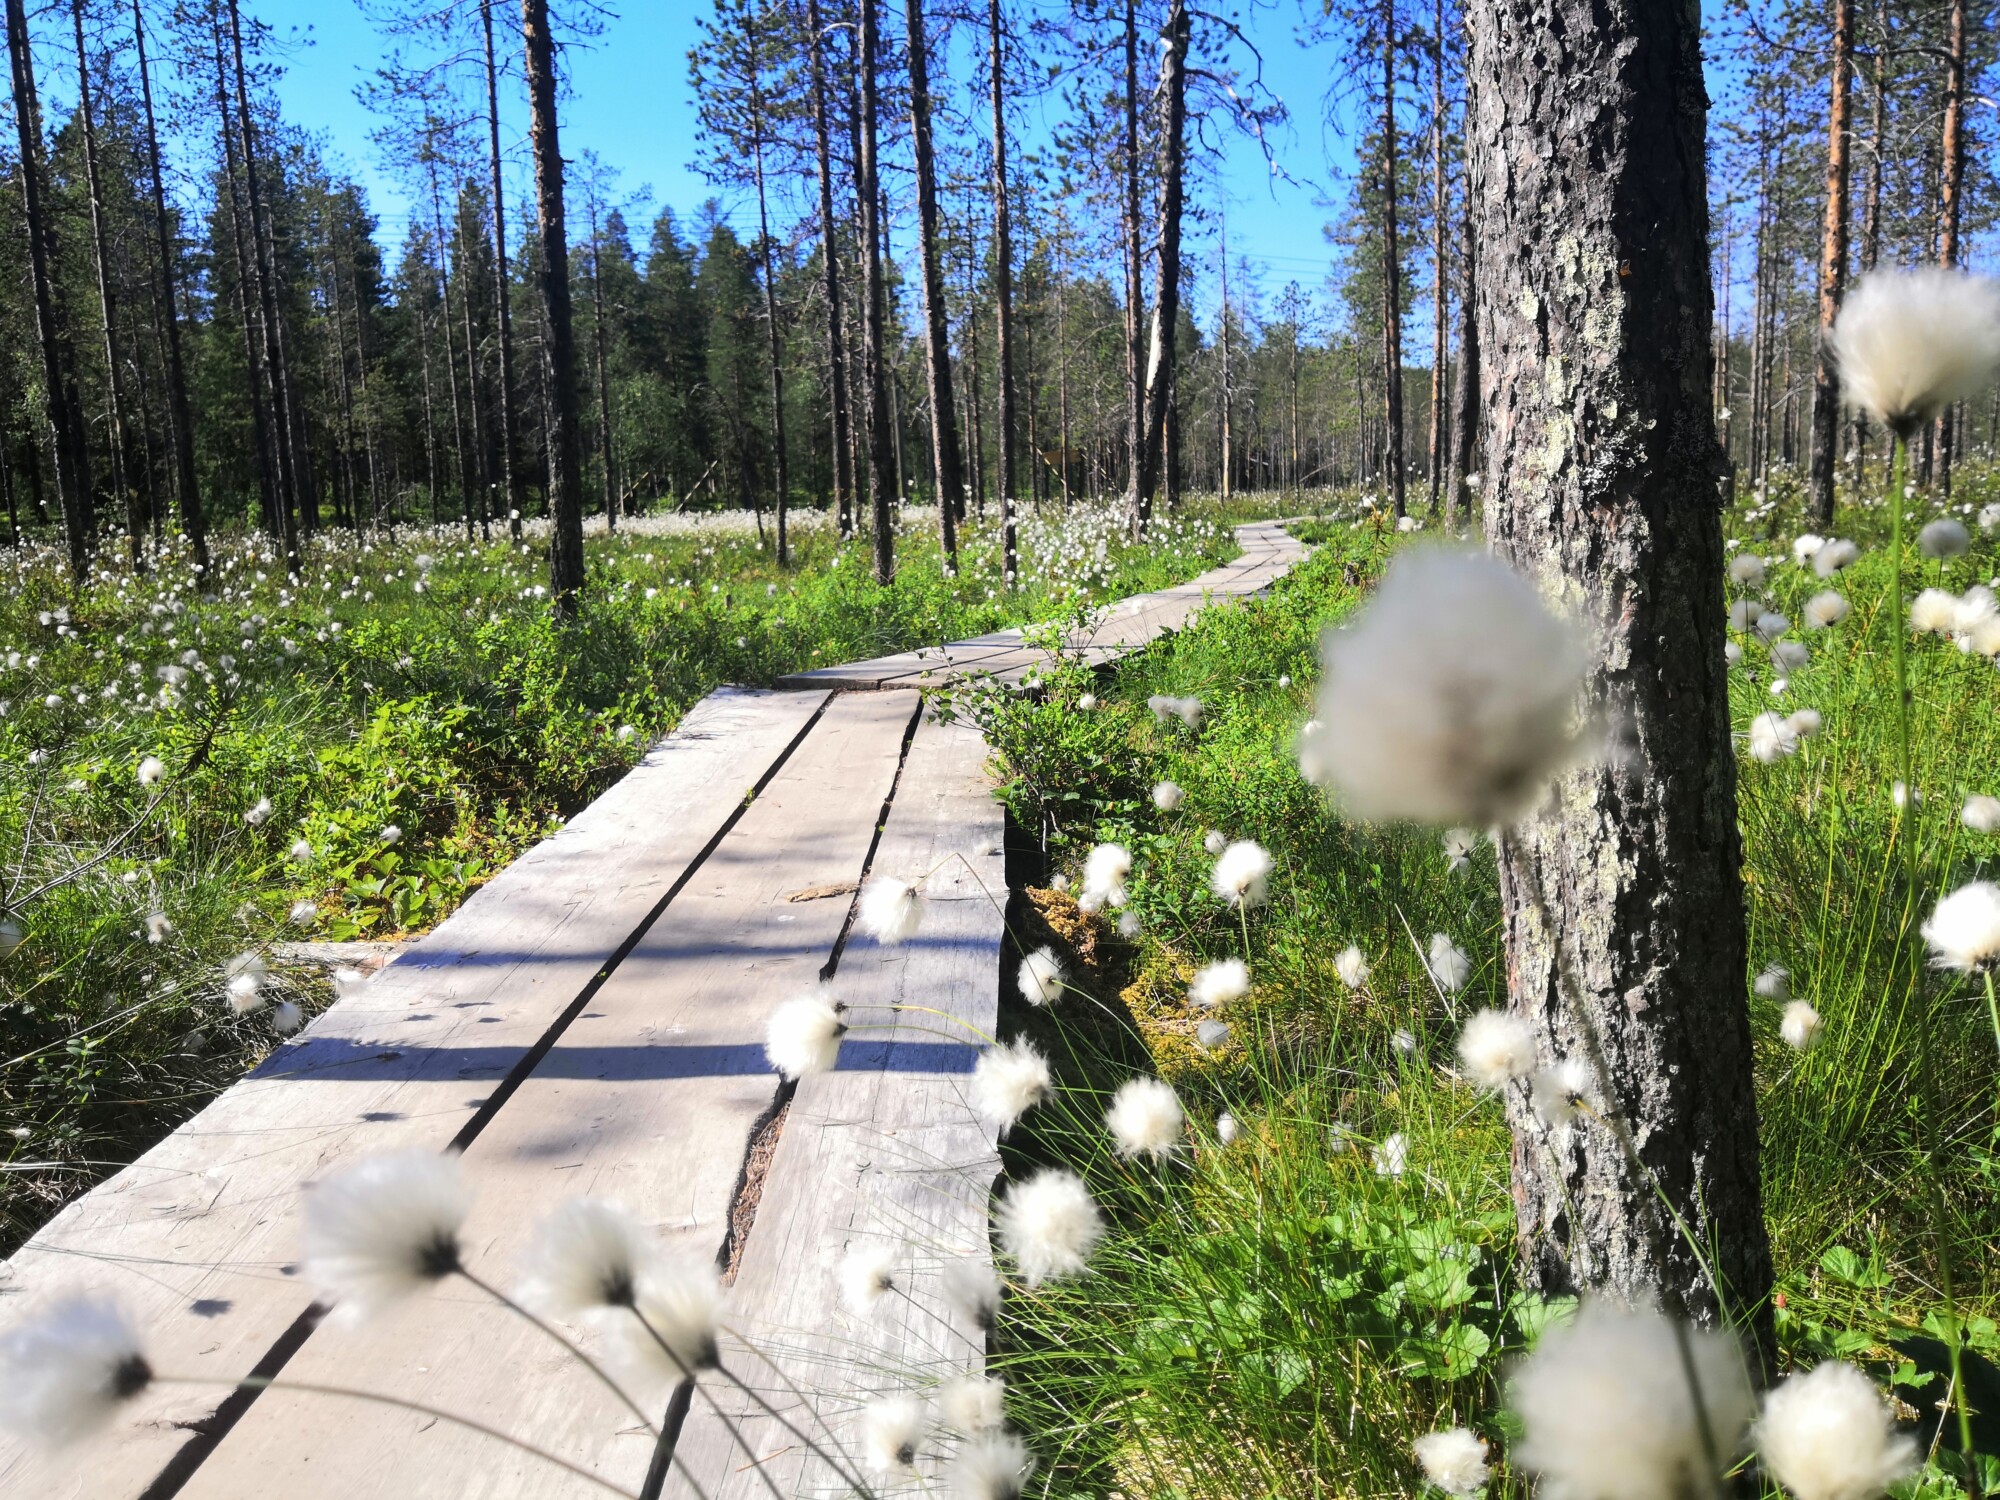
[1326, 1272]
[193, 778]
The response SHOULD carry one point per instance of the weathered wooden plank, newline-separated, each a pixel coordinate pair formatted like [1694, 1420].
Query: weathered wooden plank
[197, 1237]
[884, 1151]
[649, 1097]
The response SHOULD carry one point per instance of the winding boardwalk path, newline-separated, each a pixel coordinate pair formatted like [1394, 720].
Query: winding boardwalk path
[591, 1023]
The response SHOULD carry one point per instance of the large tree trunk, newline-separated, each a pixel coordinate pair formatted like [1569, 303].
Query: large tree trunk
[72, 455]
[1227, 435]
[1622, 895]
[1135, 291]
[602, 331]
[1832, 271]
[1005, 309]
[1951, 209]
[782, 459]
[1441, 288]
[1465, 392]
[884, 445]
[1174, 41]
[467, 484]
[559, 338]
[511, 477]
[1392, 272]
[947, 461]
[836, 359]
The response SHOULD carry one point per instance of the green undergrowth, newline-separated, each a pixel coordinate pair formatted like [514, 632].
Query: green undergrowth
[1278, 1316]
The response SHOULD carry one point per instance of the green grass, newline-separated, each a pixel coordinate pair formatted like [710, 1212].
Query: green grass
[1275, 1318]
[441, 699]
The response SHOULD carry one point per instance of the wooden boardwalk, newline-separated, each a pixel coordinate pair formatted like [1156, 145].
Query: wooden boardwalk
[592, 1023]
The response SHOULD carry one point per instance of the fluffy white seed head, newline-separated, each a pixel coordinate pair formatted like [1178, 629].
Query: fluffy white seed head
[972, 1288]
[383, 1228]
[1448, 964]
[1220, 982]
[1770, 625]
[1496, 1048]
[1392, 1157]
[1050, 1225]
[151, 769]
[1805, 546]
[803, 1035]
[1746, 568]
[1828, 1435]
[1041, 977]
[866, 1274]
[1774, 982]
[1214, 841]
[303, 913]
[1227, 1130]
[1557, 1094]
[1934, 611]
[1145, 1118]
[890, 910]
[1801, 1026]
[1105, 871]
[972, 1404]
[159, 927]
[673, 1325]
[589, 1254]
[1745, 613]
[1242, 874]
[1944, 537]
[1804, 722]
[1167, 796]
[1789, 656]
[1008, 1081]
[259, 813]
[1452, 699]
[1964, 930]
[1772, 738]
[1826, 608]
[1454, 1461]
[1352, 967]
[286, 1017]
[1607, 1413]
[1909, 342]
[1981, 813]
[65, 1371]
[992, 1466]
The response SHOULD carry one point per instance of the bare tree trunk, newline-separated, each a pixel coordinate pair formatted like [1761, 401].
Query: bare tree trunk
[1623, 527]
[460, 443]
[836, 360]
[884, 445]
[1003, 297]
[1228, 434]
[1392, 271]
[1832, 271]
[474, 406]
[604, 385]
[1465, 396]
[559, 342]
[1135, 447]
[947, 459]
[72, 455]
[1441, 291]
[1951, 210]
[511, 478]
[776, 343]
[1174, 41]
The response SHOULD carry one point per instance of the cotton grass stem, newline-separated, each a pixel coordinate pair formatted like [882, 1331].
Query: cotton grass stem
[569, 1348]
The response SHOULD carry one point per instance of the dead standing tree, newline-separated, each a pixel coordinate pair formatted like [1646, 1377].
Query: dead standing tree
[1622, 894]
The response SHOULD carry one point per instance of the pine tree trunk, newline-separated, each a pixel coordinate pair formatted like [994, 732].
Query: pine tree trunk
[1951, 210]
[1622, 895]
[884, 443]
[1131, 232]
[511, 477]
[771, 326]
[1003, 298]
[1832, 272]
[72, 455]
[947, 459]
[604, 383]
[1174, 41]
[559, 339]
[1392, 273]
[1441, 288]
[836, 359]
[1465, 393]
[461, 445]
[483, 479]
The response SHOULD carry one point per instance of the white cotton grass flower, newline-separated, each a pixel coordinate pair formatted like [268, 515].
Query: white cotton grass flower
[1800, 1026]
[383, 1228]
[259, 813]
[1828, 1434]
[1981, 813]
[301, 852]
[1557, 1094]
[1242, 874]
[972, 1404]
[1943, 538]
[889, 910]
[1497, 1048]
[1041, 977]
[1836, 556]
[1790, 656]
[1145, 1119]
[151, 769]
[1826, 609]
[391, 834]
[1773, 982]
[1804, 722]
[1746, 568]
[1008, 1081]
[1220, 982]
[159, 927]
[1452, 699]
[1448, 964]
[1453, 1460]
[992, 1466]
[587, 1255]
[1910, 342]
[1772, 738]
[1352, 966]
[1806, 546]
[303, 913]
[1392, 1157]
[972, 1289]
[1214, 841]
[65, 1371]
[1128, 924]
[1087, 702]
[286, 1017]
[1105, 870]
[1934, 611]
[1458, 844]
[1606, 1410]
[1964, 929]
[1227, 1129]
[1731, 652]
[1050, 1225]
[678, 1307]
[1404, 1041]
[803, 1035]
[1744, 613]
[1899, 796]
[1770, 625]
[245, 988]
[866, 1275]
[1167, 796]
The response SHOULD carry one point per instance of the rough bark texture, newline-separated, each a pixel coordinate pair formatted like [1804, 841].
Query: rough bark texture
[1832, 268]
[1129, 226]
[1392, 273]
[559, 336]
[1441, 288]
[510, 472]
[1003, 297]
[1175, 37]
[884, 449]
[836, 359]
[1622, 894]
[947, 460]
[1951, 209]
